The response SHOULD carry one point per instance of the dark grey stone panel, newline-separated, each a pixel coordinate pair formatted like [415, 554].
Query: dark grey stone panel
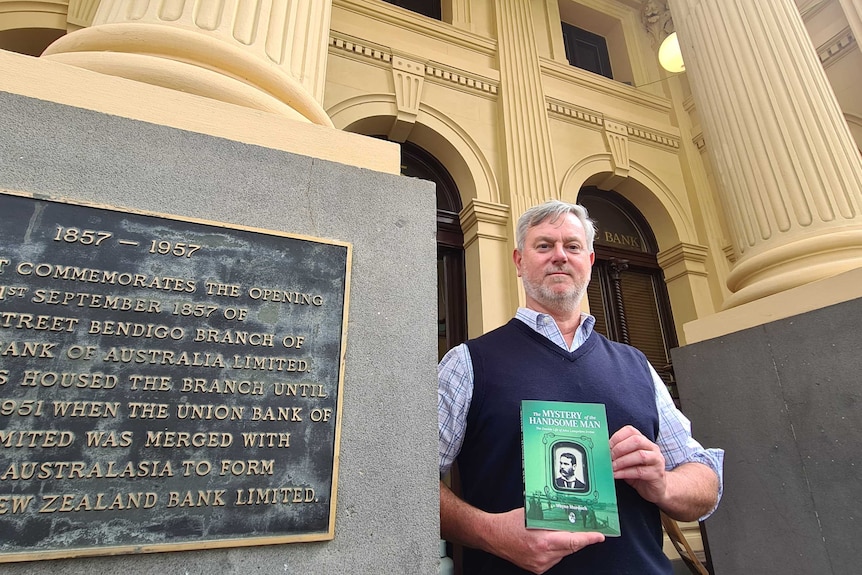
[387, 518]
[782, 399]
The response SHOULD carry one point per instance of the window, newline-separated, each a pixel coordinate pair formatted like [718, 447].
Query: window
[451, 275]
[430, 8]
[586, 50]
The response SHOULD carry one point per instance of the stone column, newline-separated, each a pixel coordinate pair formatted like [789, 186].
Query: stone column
[81, 14]
[529, 160]
[789, 173]
[267, 55]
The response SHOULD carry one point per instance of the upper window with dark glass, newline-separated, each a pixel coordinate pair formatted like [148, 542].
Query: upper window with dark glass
[430, 8]
[586, 50]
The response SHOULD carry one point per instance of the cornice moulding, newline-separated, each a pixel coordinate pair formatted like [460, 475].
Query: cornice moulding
[606, 86]
[598, 121]
[836, 47]
[576, 114]
[418, 24]
[808, 8]
[369, 52]
[442, 73]
[360, 50]
[649, 135]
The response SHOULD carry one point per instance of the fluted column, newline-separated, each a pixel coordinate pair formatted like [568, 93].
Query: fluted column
[81, 14]
[529, 160]
[264, 54]
[790, 176]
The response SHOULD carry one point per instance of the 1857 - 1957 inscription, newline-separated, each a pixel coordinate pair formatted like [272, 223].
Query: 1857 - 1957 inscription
[164, 383]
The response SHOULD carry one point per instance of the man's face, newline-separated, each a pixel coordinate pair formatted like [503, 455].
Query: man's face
[567, 466]
[555, 265]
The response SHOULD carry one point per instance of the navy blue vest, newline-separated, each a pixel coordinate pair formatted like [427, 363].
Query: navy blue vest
[513, 363]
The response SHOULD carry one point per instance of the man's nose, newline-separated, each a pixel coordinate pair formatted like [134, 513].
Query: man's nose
[559, 253]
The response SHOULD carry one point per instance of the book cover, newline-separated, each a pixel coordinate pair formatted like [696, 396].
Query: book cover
[568, 479]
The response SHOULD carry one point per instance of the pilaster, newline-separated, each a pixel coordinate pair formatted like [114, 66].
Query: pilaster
[687, 280]
[488, 261]
[526, 134]
[459, 13]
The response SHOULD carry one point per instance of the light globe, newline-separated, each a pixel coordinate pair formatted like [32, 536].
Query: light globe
[670, 56]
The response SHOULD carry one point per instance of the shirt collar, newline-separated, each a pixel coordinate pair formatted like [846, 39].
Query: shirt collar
[544, 324]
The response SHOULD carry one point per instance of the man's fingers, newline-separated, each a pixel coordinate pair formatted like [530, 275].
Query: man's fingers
[574, 542]
[640, 458]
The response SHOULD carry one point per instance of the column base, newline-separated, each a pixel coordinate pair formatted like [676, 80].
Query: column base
[831, 251]
[51, 81]
[189, 62]
[815, 295]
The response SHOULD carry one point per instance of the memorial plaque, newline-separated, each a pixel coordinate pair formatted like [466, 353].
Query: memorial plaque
[165, 384]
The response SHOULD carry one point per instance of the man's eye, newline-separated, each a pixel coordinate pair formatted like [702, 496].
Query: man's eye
[574, 248]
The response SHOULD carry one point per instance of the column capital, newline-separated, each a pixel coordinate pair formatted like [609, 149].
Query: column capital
[486, 220]
[683, 259]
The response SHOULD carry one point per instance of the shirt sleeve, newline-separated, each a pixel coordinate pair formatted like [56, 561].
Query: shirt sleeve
[675, 440]
[454, 393]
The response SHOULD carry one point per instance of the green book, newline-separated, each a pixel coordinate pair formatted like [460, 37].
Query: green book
[568, 479]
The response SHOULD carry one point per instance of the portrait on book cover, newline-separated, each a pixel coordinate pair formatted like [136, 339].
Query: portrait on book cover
[570, 467]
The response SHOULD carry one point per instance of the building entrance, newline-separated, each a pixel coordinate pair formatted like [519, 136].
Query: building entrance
[627, 294]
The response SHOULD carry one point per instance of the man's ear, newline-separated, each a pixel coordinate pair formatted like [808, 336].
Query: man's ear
[516, 257]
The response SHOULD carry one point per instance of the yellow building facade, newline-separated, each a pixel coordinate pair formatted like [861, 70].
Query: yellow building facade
[730, 194]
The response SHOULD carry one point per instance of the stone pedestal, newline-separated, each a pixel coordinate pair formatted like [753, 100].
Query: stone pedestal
[783, 400]
[387, 517]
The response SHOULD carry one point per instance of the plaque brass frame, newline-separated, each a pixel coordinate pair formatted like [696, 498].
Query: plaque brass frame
[291, 339]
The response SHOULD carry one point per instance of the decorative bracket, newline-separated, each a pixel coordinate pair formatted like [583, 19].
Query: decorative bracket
[409, 78]
[616, 136]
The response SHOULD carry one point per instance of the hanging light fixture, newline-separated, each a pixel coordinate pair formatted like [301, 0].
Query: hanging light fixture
[670, 56]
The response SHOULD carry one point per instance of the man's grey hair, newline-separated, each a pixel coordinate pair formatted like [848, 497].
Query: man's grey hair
[552, 210]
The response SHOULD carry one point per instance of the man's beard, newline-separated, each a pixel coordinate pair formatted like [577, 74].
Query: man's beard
[564, 301]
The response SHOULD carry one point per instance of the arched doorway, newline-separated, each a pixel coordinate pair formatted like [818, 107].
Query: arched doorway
[627, 294]
[451, 282]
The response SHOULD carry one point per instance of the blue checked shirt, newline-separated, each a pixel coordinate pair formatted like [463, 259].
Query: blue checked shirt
[455, 391]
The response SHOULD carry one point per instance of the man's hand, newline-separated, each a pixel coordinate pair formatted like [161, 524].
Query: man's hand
[505, 534]
[535, 550]
[639, 462]
[685, 493]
